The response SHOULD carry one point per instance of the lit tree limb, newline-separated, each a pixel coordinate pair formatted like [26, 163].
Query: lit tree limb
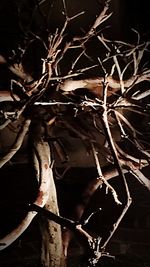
[42, 197]
[16, 146]
[102, 177]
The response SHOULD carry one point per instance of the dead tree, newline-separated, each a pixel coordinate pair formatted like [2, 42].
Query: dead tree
[101, 117]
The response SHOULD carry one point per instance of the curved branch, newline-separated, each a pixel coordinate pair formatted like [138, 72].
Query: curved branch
[16, 146]
[42, 148]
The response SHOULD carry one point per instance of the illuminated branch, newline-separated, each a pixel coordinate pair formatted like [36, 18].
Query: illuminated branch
[16, 146]
[102, 178]
[43, 172]
[95, 85]
[91, 244]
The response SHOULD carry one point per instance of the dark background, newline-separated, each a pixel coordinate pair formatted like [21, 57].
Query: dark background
[131, 242]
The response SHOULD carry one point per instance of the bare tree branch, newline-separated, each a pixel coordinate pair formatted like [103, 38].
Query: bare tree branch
[17, 144]
[102, 178]
[45, 173]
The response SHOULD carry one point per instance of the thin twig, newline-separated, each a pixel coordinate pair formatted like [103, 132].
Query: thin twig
[102, 178]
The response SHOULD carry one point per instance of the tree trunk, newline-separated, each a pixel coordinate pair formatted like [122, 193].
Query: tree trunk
[51, 235]
[51, 249]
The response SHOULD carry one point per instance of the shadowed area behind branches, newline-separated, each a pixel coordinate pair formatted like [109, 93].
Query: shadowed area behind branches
[25, 250]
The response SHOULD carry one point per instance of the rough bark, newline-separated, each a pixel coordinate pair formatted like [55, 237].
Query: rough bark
[51, 238]
[51, 250]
